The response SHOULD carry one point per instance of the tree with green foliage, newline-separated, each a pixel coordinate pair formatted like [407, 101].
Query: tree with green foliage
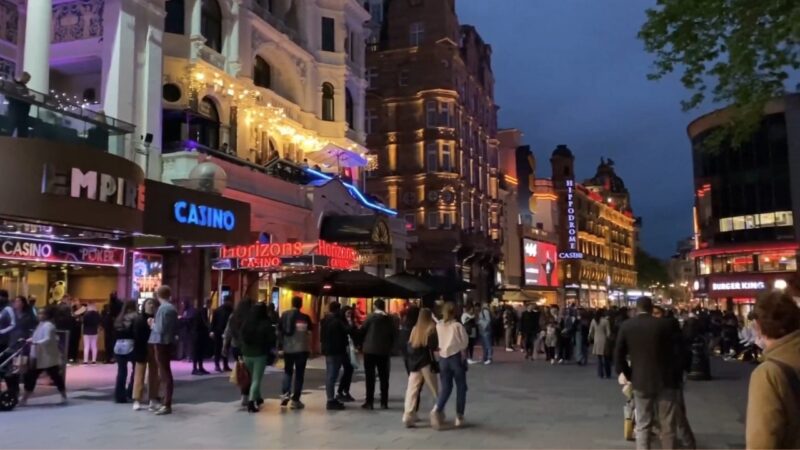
[650, 270]
[733, 52]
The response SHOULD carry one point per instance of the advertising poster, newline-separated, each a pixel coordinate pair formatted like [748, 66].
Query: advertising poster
[540, 262]
[147, 276]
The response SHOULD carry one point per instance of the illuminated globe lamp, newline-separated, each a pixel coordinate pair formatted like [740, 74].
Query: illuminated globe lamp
[780, 284]
[208, 177]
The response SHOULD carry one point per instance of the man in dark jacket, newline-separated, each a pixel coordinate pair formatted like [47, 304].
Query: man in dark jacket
[218, 324]
[199, 326]
[333, 336]
[652, 346]
[295, 329]
[379, 335]
[529, 326]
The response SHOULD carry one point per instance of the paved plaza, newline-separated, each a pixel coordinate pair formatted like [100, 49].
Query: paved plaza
[511, 404]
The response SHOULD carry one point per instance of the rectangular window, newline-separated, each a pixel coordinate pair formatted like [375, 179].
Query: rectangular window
[448, 221]
[433, 220]
[446, 114]
[372, 77]
[416, 34]
[371, 122]
[402, 78]
[447, 155]
[430, 114]
[432, 156]
[328, 34]
[411, 222]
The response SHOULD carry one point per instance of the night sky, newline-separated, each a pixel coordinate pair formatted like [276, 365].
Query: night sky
[573, 72]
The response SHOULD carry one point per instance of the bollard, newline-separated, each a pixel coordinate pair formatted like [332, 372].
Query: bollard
[700, 368]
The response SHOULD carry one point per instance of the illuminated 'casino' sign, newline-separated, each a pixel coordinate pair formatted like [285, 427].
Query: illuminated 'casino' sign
[266, 256]
[572, 251]
[204, 216]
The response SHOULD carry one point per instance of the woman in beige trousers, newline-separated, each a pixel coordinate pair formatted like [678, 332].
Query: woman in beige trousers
[145, 358]
[421, 364]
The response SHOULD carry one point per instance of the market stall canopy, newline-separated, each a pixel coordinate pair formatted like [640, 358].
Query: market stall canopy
[344, 283]
[332, 155]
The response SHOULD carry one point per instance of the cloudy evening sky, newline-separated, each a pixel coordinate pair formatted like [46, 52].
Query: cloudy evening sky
[573, 72]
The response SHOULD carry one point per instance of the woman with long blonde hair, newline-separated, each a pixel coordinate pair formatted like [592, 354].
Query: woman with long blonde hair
[421, 364]
[453, 342]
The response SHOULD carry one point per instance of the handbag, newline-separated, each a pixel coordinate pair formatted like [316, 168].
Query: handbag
[123, 347]
[240, 376]
[352, 354]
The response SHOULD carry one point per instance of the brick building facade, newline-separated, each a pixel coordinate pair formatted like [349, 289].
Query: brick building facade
[431, 121]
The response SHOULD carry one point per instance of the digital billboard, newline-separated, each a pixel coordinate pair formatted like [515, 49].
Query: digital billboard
[540, 263]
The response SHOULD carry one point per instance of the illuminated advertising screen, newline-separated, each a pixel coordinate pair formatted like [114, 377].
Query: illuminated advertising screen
[540, 263]
[147, 276]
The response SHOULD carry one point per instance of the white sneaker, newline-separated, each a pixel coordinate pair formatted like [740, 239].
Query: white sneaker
[409, 420]
[509, 349]
[487, 362]
[552, 362]
[472, 361]
[137, 406]
[561, 361]
[154, 406]
[459, 421]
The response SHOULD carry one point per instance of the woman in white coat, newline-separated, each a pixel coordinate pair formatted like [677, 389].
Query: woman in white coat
[599, 332]
[45, 355]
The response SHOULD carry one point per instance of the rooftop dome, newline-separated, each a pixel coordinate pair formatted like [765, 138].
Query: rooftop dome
[607, 178]
[208, 177]
[563, 151]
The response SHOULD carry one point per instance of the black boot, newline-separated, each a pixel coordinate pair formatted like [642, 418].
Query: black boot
[251, 407]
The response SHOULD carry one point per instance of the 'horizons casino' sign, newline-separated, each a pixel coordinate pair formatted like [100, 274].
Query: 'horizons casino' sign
[265, 256]
[572, 251]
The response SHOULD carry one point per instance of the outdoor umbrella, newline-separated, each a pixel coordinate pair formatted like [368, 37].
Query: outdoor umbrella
[344, 283]
[412, 283]
[446, 285]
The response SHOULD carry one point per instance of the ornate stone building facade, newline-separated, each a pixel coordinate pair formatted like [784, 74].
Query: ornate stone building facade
[597, 232]
[431, 121]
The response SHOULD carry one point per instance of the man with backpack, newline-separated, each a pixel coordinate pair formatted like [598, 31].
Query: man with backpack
[485, 331]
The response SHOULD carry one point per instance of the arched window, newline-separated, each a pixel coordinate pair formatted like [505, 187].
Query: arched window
[173, 22]
[262, 73]
[327, 102]
[211, 24]
[349, 109]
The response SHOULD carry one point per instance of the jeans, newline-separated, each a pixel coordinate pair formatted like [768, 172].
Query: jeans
[53, 372]
[381, 363]
[603, 366]
[89, 347]
[486, 342]
[683, 430]
[218, 341]
[530, 340]
[347, 376]
[661, 408]
[509, 335]
[163, 354]
[255, 365]
[332, 365]
[294, 367]
[197, 352]
[453, 369]
[121, 391]
[471, 348]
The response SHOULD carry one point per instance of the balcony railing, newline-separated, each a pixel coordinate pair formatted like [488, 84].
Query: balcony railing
[29, 114]
[276, 22]
[275, 166]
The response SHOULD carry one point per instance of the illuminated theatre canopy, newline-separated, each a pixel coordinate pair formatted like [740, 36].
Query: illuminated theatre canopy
[280, 255]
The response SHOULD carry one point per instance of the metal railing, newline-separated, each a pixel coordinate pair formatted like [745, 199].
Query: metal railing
[30, 114]
[276, 22]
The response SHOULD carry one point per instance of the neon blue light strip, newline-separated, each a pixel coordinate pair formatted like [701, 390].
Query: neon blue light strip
[355, 193]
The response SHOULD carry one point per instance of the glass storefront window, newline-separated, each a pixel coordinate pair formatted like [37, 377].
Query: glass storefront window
[777, 262]
[765, 220]
[704, 266]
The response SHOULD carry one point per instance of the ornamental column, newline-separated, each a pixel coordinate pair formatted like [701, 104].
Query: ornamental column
[37, 44]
